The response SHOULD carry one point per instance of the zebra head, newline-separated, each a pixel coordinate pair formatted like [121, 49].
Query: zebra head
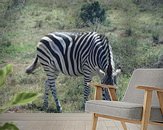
[105, 63]
[108, 78]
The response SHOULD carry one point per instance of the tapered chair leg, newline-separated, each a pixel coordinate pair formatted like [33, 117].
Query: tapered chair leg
[146, 109]
[94, 123]
[144, 127]
[124, 125]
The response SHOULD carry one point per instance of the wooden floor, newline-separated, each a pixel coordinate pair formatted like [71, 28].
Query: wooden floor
[53, 121]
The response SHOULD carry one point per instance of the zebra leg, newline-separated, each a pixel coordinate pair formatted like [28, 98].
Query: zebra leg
[105, 94]
[54, 93]
[46, 94]
[106, 80]
[52, 75]
[87, 89]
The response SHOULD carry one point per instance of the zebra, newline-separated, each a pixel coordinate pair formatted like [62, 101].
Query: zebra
[74, 54]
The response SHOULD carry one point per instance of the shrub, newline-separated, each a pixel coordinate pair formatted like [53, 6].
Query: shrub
[8, 126]
[92, 13]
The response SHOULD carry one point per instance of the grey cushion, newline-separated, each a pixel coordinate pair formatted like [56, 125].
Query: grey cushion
[143, 77]
[121, 109]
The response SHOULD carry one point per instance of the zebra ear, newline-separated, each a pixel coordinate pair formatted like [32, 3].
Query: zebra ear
[100, 73]
[117, 72]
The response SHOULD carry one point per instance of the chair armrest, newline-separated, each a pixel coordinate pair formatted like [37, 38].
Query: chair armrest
[102, 85]
[150, 88]
[148, 100]
[98, 91]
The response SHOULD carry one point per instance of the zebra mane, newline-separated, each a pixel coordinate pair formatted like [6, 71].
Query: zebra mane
[110, 54]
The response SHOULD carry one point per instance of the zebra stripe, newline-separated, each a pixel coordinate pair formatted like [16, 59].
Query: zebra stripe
[73, 54]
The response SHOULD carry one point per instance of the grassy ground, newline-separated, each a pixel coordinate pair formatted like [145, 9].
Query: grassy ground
[23, 28]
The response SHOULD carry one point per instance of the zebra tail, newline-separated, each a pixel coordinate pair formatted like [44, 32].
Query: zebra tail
[32, 67]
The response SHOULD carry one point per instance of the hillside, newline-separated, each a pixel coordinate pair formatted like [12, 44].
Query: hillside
[135, 31]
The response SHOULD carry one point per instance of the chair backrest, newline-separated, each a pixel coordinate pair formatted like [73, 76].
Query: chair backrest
[147, 77]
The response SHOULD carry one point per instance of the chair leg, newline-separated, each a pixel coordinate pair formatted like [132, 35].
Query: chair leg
[94, 123]
[124, 125]
[144, 126]
[146, 110]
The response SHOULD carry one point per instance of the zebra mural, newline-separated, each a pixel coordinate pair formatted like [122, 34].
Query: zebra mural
[73, 54]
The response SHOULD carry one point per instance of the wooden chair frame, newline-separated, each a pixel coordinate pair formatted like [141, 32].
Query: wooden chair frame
[146, 106]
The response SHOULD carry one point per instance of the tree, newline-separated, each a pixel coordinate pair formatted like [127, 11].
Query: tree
[92, 13]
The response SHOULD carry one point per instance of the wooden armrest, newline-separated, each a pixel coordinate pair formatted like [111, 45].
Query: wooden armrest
[102, 85]
[99, 87]
[149, 88]
[148, 101]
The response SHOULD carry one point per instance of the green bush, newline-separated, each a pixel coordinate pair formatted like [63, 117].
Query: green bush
[8, 126]
[92, 13]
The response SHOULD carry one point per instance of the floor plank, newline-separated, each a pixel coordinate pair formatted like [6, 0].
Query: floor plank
[55, 121]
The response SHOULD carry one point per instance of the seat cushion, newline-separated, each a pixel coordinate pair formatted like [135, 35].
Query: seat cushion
[121, 109]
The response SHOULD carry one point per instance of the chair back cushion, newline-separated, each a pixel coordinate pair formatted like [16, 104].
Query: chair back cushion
[143, 77]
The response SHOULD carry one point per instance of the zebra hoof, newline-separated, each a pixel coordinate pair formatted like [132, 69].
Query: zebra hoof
[82, 108]
[59, 109]
[44, 108]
